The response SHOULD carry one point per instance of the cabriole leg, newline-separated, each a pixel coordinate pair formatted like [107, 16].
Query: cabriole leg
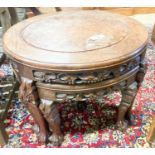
[128, 96]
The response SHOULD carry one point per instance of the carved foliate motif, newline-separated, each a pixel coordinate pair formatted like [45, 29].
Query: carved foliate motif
[29, 96]
[84, 96]
[129, 66]
[83, 77]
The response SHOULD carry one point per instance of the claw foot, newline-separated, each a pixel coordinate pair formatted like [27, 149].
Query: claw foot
[121, 125]
[41, 137]
[56, 140]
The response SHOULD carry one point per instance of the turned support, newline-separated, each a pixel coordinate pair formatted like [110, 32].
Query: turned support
[29, 96]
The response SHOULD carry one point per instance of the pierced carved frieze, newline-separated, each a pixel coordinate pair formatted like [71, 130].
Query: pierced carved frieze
[85, 96]
[71, 79]
[49, 77]
[130, 65]
[83, 77]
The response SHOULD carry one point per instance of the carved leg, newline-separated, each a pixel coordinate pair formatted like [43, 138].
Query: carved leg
[29, 96]
[124, 109]
[51, 114]
[141, 73]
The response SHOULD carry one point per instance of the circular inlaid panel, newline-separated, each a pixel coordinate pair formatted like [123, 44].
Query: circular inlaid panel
[75, 32]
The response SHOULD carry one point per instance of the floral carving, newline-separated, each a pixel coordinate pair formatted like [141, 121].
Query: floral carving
[83, 77]
[96, 95]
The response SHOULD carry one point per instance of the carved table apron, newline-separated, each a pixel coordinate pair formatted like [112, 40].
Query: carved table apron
[74, 57]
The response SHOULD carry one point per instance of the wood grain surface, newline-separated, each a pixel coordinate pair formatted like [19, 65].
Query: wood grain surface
[72, 41]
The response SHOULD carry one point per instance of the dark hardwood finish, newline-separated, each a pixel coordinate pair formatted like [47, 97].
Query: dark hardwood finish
[74, 57]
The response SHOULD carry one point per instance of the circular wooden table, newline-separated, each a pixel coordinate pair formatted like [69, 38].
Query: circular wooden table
[75, 56]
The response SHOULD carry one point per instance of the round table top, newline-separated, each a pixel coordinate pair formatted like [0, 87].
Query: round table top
[75, 41]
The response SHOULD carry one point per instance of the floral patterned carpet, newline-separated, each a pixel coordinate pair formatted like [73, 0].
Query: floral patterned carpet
[94, 127]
